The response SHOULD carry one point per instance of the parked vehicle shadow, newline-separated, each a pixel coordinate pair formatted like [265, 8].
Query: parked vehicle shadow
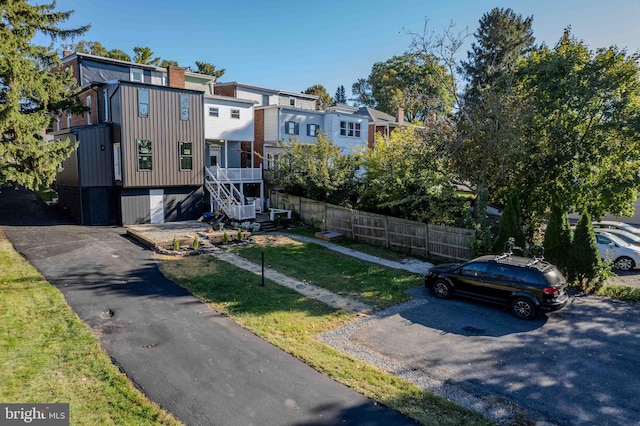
[467, 317]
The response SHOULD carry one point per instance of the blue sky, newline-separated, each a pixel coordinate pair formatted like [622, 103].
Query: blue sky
[291, 45]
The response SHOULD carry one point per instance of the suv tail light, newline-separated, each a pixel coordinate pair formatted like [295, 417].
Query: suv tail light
[550, 291]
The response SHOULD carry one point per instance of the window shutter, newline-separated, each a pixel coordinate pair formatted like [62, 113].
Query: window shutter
[297, 129]
[309, 129]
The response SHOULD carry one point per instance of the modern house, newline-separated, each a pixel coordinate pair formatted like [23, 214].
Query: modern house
[144, 164]
[142, 154]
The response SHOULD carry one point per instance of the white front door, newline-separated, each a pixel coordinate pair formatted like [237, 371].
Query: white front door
[214, 157]
[156, 205]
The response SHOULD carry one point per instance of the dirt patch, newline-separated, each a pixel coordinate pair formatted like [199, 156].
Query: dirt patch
[275, 240]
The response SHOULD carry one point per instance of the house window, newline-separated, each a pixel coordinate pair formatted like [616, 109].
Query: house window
[291, 128]
[117, 161]
[143, 103]
[349, 129]
[235, 113]
[145, 155]
[312, 130]
[265, 100]
[136, 75]
[89, 109]
[292, 102]
[186, 155]
[184, 107]
[214, 112]
[105, 98]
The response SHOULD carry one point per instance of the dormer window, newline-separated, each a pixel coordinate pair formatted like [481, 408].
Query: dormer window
[136, 75]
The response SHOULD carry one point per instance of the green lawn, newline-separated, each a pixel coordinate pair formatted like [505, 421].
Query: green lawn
[48, 355]
[364, 281]
[291, 321]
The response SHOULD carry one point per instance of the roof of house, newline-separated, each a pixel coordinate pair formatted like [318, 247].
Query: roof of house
[265, 89]
[377, 116]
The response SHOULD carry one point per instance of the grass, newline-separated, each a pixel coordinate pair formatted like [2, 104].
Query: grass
[373, 250]
[48, 355]
[46, 194]
[620, 292]
[366, 282]
[291, 321]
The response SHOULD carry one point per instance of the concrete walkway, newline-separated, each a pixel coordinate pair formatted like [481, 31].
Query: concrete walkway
[318, 293]
[309, 290]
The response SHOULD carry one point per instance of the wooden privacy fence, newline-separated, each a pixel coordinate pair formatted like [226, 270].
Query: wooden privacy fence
[399, 234]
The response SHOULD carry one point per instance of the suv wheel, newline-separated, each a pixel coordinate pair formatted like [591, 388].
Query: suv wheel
[441, 289]
[624, 263]
[523, 308]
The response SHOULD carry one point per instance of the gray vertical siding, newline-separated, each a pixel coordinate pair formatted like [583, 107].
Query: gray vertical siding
[95, 155]
[69, 173]
[165, 129]
[185, 203]
[135, 206]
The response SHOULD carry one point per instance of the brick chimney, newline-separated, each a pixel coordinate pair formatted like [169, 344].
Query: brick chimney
[66, 53]
[175, 77]
[400, 116]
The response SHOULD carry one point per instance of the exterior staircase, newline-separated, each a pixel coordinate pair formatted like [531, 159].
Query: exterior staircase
[227, 197]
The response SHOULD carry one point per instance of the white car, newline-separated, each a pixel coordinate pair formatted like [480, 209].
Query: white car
[610, 224]
[628, 237]
[624, 256]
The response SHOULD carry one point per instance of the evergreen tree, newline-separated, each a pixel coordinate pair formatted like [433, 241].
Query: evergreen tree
[144, 55]
[510, 226]
[557, 238]
[31, 84]
[209, 69]
[584, 261]
[340, 96]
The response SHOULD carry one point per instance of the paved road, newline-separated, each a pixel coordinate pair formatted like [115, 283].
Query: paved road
[577, 366]
[197, 364]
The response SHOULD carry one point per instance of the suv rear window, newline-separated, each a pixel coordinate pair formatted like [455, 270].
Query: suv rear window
[554, 277]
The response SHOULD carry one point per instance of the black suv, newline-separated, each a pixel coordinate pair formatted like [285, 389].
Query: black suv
[525, 286]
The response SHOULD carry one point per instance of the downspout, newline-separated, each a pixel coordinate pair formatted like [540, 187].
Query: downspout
[78, 165]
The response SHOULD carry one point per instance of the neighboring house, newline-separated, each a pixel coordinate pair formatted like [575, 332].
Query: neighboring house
[230, 158]
[381, 122]
[145, 164]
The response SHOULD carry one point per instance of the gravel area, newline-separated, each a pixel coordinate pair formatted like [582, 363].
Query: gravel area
[501, 412]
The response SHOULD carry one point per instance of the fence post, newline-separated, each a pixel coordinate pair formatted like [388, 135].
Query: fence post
[387, 243]
[426, 237]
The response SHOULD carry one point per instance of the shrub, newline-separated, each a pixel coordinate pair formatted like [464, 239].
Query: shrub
[196, 243]
[557, 238]
[586, 270]
[510, 226]
[239, 235]
[175, 243]
[225, 238]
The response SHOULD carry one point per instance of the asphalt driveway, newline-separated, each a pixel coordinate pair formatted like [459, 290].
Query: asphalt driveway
[576, 366]
[193, 362]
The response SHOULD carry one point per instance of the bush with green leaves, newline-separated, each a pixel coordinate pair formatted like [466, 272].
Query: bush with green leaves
[557, 238]
[510, 226]
[586, 269]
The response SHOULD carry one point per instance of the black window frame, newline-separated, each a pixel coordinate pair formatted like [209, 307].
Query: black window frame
[185, 156]
[235, 113]
[142, 156]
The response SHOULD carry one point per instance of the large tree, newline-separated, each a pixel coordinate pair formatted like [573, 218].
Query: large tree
[411, 81]
[324, 99]
[144, 55]
[318, 170]
[407, 174]
[584, 137]
[209, 69]
[489, 145]
[31, 84]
